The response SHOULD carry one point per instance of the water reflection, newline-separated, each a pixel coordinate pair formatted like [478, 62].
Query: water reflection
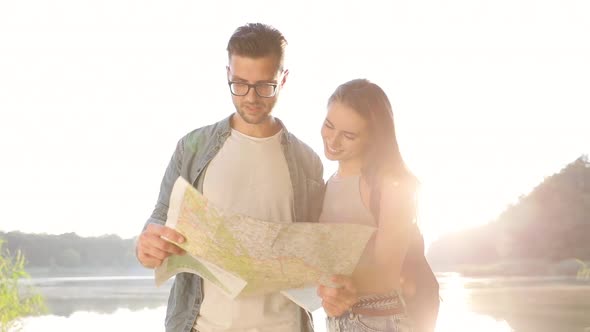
[522, 304]
[67, 295]
[144, 320]
[455, 311]
[481, 304]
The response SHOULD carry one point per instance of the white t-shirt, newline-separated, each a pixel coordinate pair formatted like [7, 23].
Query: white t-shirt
[249, 176]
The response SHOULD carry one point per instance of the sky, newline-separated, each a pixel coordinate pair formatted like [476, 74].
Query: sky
[489, 97]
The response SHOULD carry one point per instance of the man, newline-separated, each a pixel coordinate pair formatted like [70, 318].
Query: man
[247, 163]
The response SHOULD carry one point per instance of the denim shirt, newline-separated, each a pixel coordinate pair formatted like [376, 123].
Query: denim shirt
[190, 159]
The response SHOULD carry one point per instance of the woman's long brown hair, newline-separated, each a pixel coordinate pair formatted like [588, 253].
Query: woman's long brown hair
[382, 156]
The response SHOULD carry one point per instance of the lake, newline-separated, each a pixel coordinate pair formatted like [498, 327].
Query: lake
[521, 304]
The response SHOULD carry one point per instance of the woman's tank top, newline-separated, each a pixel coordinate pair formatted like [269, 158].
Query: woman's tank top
[343, 203]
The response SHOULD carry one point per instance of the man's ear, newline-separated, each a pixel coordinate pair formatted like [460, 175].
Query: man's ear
[227, 72]
[285, 74]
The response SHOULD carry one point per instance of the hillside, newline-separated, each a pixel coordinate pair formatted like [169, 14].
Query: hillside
[543, 233]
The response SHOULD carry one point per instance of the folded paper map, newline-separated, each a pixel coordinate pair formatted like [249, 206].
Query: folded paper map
[244, 256]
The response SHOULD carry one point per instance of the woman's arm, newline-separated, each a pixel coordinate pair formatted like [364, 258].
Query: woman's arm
[337, 301]
[397, 211]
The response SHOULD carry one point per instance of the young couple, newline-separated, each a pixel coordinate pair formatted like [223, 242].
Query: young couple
[250, 164]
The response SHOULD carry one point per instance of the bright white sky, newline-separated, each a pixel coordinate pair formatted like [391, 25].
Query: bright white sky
[489, 97]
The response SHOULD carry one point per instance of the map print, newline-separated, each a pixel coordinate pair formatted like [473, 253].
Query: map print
[245, 256]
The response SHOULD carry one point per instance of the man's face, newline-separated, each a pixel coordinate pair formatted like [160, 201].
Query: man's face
[252, 108]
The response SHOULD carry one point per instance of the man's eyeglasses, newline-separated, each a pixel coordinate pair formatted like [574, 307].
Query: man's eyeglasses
[264, 90]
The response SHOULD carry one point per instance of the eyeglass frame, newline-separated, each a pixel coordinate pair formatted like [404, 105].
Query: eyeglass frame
[275, 85]
[255, 85]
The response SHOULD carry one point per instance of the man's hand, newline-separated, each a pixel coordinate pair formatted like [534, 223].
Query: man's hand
[152, 249]
[336, 301]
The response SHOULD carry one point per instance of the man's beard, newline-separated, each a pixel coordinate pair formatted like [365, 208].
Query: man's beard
[258, 118]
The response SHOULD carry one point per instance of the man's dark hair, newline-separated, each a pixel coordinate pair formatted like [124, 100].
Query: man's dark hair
[256, 40]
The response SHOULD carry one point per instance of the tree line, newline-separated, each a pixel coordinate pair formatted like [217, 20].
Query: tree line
[71, 250]
[550, 225]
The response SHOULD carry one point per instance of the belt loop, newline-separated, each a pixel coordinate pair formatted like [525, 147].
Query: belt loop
[351, 314]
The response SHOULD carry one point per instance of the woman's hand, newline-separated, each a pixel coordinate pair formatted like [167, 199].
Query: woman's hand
[337, 301]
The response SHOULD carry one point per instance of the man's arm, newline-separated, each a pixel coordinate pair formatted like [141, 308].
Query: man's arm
[151, 249]
[316, 198]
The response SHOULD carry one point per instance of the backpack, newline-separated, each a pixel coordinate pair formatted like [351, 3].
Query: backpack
[423, 305]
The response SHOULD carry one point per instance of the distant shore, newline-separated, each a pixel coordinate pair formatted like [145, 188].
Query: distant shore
[573, 268]
[44, 272]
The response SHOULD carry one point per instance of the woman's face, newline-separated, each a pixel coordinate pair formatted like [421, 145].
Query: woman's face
[345, 133]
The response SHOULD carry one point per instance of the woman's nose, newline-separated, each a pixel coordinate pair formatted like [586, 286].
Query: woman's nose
[335, 141]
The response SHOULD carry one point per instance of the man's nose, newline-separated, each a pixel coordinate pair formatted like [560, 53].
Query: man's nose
[251, 95]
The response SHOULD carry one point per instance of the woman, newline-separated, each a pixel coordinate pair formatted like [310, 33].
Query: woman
[372, 186]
